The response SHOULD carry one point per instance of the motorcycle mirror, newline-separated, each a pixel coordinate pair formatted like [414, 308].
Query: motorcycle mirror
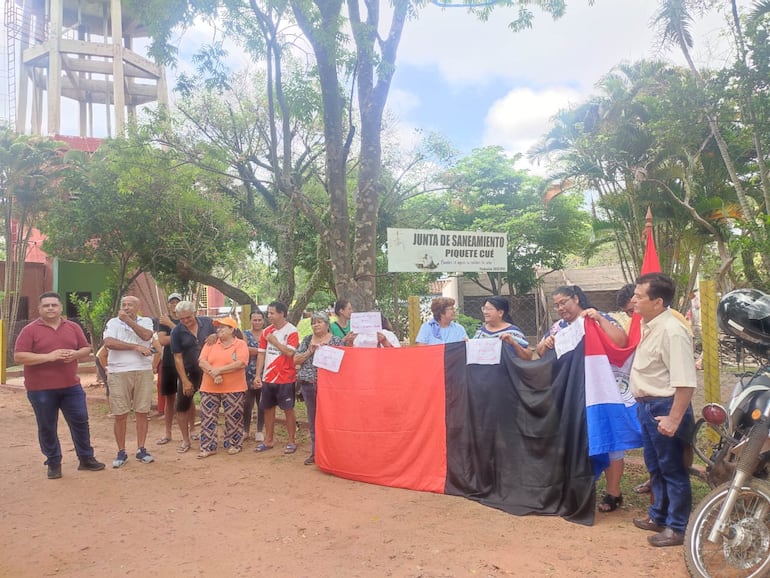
[714, 414]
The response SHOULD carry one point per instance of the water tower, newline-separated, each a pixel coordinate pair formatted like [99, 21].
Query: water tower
[77, 56]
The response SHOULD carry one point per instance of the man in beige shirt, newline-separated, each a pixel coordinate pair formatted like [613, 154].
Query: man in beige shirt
[663, 381]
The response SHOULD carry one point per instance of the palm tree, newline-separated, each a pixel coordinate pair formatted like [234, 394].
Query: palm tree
[674, 20]
[641, 143]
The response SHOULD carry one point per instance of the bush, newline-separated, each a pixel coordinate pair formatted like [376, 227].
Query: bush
[471, 324]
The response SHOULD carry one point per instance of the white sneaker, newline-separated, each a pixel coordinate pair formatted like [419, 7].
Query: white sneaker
[259, 437]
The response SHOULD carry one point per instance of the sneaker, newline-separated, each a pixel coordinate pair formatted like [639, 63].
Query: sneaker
[143, 456]
[54, 472]
[259, 437]
[91, 464]
[120, 459]
[233, 450]
[310, 461]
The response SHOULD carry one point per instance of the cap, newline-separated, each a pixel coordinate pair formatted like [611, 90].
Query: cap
[176, 296]
[229, 321]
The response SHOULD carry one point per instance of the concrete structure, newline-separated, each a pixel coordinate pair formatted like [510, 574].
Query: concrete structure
[82, 51]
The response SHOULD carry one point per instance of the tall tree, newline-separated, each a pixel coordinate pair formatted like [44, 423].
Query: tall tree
[30, 168]
[237, 132]
[137, 209]
[643, 142]
[364, 67]
[674, 20]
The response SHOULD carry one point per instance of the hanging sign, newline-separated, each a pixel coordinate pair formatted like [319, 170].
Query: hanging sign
[428, 250]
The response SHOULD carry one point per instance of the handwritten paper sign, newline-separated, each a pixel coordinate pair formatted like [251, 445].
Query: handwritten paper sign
[329, 358]
[366, 322]
[568, 338]
[483, 351]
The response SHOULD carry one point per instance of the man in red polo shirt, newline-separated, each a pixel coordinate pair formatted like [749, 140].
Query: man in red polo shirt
[49, 348]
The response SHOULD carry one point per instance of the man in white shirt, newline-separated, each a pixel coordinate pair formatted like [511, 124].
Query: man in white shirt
[128, 339]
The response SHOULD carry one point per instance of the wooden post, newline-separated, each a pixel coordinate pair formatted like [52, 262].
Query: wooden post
[413, 303]
[708, 300]
[710, 344]
[3, 343]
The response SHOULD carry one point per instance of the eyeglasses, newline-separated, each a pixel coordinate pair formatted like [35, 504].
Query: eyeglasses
[562, 303]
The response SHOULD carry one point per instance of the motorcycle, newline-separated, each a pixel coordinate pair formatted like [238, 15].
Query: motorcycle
[729, 531]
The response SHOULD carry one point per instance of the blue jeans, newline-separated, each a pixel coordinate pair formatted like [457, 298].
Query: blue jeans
[72, 403]
[309, 393]
[664, 458]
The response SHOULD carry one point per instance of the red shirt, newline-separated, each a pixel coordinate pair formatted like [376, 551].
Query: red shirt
[279, 367]
[37, 337]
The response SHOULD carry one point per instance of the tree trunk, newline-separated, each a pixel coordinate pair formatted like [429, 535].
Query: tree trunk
[187, 273]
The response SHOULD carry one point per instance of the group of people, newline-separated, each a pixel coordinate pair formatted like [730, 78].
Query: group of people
[263, 365]
[662, 381]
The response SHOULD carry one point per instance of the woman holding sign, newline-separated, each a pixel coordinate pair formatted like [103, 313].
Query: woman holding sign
[571, 304]
[498, 324]
[307, 375]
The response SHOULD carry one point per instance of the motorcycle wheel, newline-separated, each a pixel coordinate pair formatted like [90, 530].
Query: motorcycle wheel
[704, 447]
[745, 555]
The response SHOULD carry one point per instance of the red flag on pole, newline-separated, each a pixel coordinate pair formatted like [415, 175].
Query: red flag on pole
[651, 263]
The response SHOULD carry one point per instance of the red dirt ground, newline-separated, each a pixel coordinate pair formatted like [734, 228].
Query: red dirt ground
[269, 515]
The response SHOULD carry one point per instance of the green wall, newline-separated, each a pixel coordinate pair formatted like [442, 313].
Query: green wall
[71, 277]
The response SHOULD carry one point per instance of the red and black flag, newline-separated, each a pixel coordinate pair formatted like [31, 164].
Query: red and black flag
[511, 435]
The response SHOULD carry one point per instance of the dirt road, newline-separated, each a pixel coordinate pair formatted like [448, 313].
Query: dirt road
[269, 515]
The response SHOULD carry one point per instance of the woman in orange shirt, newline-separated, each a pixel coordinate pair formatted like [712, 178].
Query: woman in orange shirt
[224, 383]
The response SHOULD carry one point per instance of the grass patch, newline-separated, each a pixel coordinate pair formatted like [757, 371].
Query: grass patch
[635, 473]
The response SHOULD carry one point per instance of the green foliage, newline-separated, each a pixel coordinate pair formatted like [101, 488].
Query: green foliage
[95, 314]
[485, 192]
[642, 142]
[471, 324]
[137, 208]
[30, 169]
[354, 47]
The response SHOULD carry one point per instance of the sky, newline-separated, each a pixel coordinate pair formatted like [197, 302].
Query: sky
[479, 83]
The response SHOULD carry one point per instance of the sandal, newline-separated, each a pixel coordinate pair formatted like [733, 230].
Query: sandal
[183, 448]
[163, 441]
[290, 448]
[610, 503]
[643, 488]
[262, 448]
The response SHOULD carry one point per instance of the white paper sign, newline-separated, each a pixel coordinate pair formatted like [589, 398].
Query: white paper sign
[483, 351]
[366, 322]
[327, 357]
[568, 338]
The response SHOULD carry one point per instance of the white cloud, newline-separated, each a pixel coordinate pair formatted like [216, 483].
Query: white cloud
[519, 119]
[401, 102]
[573, 51]
[554, 64]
